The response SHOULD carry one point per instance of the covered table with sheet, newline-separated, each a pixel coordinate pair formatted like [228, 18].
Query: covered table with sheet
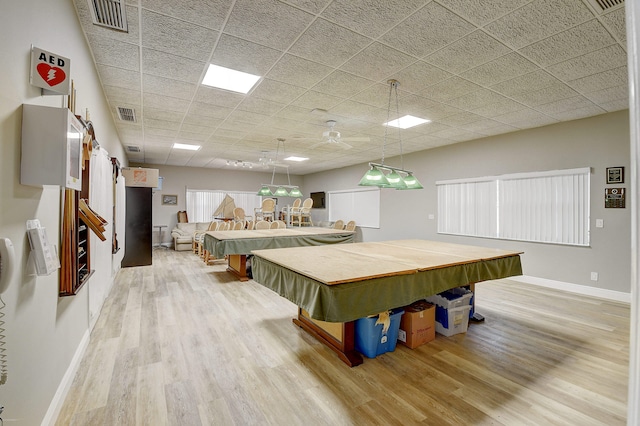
[335, 285]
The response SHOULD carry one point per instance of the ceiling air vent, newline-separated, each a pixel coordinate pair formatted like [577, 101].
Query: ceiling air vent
[109, 13]
[133, 148]
[605, 5]
[127, 114]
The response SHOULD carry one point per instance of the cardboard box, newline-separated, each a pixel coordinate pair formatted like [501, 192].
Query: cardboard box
[417, 325]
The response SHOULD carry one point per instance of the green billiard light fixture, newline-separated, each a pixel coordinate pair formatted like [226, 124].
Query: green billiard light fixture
[281, 190]
[394, 178]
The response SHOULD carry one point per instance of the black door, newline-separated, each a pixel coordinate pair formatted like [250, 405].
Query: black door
[138, 236]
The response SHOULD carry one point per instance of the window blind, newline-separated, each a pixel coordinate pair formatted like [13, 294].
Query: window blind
[547, 207]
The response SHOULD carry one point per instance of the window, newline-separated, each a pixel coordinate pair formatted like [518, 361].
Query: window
[201, 203]
[547, 207]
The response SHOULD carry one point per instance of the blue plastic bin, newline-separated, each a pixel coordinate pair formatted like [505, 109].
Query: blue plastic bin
[370, 341]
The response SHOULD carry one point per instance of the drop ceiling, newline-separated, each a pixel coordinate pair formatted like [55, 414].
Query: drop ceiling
[475, 68]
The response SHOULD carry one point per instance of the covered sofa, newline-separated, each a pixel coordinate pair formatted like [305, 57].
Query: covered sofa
[183, 234]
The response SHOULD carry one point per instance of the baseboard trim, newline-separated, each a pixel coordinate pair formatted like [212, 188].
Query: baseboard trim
[601, 293]
[65, 384]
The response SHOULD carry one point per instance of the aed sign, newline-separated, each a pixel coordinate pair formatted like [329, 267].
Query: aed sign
[50, 71]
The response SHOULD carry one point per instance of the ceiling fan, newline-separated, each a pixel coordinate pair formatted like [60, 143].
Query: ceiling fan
[332, 137]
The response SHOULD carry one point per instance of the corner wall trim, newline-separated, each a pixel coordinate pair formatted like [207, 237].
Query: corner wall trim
[584, 290]
[65, 384]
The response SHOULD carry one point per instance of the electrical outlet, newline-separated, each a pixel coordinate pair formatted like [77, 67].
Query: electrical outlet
[599, 223]
[594, 276]
[432, 216]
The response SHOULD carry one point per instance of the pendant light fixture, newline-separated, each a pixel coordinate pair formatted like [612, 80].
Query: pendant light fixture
[394, 179]
[281, 190]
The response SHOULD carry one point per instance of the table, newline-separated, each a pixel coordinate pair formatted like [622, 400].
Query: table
[335, 285]
[159, 244]
[236, 245]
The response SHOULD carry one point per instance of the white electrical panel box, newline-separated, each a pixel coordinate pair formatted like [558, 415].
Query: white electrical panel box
[51, 147]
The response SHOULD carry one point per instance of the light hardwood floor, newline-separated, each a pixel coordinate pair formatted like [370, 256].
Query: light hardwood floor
[182, 343]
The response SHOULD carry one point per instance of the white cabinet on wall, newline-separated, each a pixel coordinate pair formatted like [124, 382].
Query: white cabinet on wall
[51, 147]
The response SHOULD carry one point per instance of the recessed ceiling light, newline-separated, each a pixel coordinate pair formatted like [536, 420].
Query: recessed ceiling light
[407, 121]
[294, 158]
[228, 79]
[186, 146]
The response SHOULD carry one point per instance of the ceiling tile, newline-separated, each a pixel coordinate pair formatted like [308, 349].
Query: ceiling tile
[313, 99]
[419, 75]
[327, 43]
[429, 29]
[224, 98]
[609, 78]
[245, 56]
[449, 89]
[615, 105]
[538, 20]
[500, 69]
[168, 87]
[476, 99]
[525, 83]
[209, 110]
[525, 118]
[298, 71]
[206, 13]
[162, 114]
[591, 63]
[370, 17]
[260, 106]
[201, 120]
[499, 108]
[118, 95]
[460, 118]
[609, 94]
[267, 22]
[115, 53]
[552, 93]
[162, 64]
[165, 102]
[468, 52]
[377, 62]
[481, 12]
[277, 91]
[568, 44]
[341, 82]
[312, 6]
[171, 35]
[563, 105]
[616, 23]
[360, 111]
[118, 77]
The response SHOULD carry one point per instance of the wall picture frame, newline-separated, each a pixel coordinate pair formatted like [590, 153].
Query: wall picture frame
[171, 200]
[615, 175]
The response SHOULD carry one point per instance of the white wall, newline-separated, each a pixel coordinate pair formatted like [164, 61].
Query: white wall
[597, 142]
[43, 332]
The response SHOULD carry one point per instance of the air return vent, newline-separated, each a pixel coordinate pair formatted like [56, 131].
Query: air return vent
[133, 148]
[605, 5]
[127, 114]
[109, 13]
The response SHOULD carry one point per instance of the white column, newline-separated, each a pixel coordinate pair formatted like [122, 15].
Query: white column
[633, 54]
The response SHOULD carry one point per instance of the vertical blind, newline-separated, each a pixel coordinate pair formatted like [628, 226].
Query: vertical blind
[201, 203]
[547, 207]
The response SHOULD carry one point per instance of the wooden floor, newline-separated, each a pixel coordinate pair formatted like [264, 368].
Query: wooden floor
[181, 343]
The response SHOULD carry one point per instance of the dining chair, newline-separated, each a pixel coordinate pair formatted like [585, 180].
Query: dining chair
[351, 226]
[239, 225]
[338, 224]
[267, 210]
[239, 215]
[303, 215]
[262, 224]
